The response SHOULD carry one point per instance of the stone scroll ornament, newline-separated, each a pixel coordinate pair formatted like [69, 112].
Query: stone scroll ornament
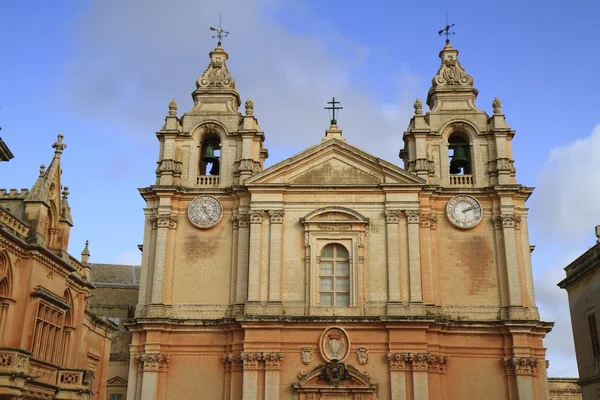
[334, 344]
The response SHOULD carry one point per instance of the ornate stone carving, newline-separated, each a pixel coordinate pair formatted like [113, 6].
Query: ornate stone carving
[276, 216]
[497, 106]
[306, 355]
[156, 362]
[334, 227]
[232, 362]
[399, 361]
[507, 221]
[216, 74]
[251, 360]
[412, 216]
[502, 164]
[273, 360]
[243, 220]
[428, 221]
[165, 221]
[173, 108]
[414, 361]
[521, 366]
[421, 361]
[169, 165]
[438, 364]
[334, 344]
[334, 372]
[362, 355]
[451, 73]
[418, 105]
[392, 216]
[249, 107]
[256, 216]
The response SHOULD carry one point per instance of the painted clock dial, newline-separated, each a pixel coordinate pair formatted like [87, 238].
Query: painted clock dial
[463, 211]
[205, 211]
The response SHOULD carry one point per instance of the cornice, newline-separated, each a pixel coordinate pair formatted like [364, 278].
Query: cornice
[584, 265]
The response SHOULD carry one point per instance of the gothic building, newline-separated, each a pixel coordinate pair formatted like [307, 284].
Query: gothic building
[51, 346]
[334, 274]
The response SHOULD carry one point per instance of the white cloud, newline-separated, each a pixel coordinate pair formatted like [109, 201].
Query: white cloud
[568, 193]
[128, 258]
[133, 57]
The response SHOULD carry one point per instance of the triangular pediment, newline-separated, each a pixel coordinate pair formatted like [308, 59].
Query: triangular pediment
[116, 381]
[334, 163]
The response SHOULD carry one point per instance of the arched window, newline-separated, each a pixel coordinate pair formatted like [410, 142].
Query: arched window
[459, 152]
[210, 154]
[68, 328]
[334, 276]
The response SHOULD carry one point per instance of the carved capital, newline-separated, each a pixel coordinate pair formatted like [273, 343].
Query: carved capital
[507, 221]
[421, 362]
[243, 220]
[527, 366]
[425, 165]
[392, 216]
[438, 364]
[169, 166]
[428, 221]
[276, 216]
[256, 216]
[232, 362]
[235, 221]
[251, 360]
[156, 362]
[399, 361]
[412, 216]
[273, 360]
[165, 221]
[502, 164]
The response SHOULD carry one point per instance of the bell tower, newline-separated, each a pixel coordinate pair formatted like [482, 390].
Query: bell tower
[213, 144]
[455, 143]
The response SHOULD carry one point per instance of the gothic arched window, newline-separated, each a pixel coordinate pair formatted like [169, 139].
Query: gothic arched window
[334, 276]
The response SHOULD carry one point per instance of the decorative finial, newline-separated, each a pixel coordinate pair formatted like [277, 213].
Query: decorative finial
[42, 169]
[249, 107]
[220, 32]
[497, 105]
[418, 105]
[65, 192]
[446, 31]
[59, 146]
[333, 108]
[85, 254]
[173, 108]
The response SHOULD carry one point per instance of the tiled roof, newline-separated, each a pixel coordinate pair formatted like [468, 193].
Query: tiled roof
[115, 273]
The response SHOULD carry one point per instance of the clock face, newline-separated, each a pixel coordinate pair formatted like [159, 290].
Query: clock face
[464, 211]
[205, 211]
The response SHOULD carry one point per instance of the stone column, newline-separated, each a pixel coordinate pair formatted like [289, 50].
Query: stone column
[3, 318]
[507, 223]
[522, 369]
[66, 356]
[163, 224]
[397, 364]
[145, 278]
[256, 219]
[242, 261]
[273, 362]
[132, 377]
[420, 369]
[234, 258]
[151, 365]
[393, 256]
[250, 375]
[414, 255]
[275, 255]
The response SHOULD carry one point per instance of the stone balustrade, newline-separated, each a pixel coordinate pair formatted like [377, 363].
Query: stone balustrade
[208, 180]
[461, 180]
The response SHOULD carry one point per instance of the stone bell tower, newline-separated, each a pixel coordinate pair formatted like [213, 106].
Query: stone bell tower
[455, 143]
[212, 145]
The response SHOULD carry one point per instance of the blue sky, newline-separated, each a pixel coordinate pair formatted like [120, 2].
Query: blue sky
[102, 73]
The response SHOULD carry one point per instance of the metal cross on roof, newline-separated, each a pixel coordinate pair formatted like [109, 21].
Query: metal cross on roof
[446, 31]
[333, 108]
[220, 32]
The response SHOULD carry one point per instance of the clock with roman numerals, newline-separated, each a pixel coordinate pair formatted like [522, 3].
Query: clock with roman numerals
[464, 212]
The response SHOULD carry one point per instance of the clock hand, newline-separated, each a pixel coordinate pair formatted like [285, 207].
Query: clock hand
[468, 209]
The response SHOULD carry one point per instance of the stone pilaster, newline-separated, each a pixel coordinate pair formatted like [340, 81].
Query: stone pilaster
[256, 220]
[250, 366]
[151, 364]
[163, 223]
[506, 224]
[393, 257]
[397, 363]
[242, 261]
[414, 256]
[275, 255]
[235, 225]
[273, 363]
[521, 370]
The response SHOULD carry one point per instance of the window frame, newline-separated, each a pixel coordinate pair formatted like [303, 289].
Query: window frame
[593, 336]
[334, 276]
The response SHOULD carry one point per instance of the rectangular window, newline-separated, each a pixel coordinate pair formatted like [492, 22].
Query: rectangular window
[47, 334]
[593, 331]
[116, 396]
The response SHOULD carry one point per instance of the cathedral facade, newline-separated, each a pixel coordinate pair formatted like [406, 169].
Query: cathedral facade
[334, 274]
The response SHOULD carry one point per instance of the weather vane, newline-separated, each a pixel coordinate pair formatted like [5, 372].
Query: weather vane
[446, 31]
[333, 108]
[220, 32]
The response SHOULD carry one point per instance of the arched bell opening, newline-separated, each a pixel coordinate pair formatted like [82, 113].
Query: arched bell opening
[459, 154]
[210, 154]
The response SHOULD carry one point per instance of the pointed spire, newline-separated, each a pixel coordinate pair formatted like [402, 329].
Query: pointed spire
[48, 182]
[85, 254]
[65, 209]
[451, 83]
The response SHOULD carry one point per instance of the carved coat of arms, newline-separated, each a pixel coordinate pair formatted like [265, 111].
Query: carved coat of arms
[362, 355]
[334, 344]
[334, 372]
[307, 355]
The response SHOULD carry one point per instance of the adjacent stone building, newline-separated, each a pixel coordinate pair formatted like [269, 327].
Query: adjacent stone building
[5, 153]
[335, 274]
[583, 287]
[51, 346]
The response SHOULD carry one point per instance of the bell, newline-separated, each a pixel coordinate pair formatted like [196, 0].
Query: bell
[459, 159]
[215, 167]
[209, 154]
